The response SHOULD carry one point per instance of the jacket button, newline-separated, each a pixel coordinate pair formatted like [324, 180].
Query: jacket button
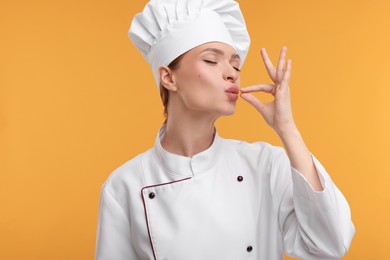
[152, 195]
[240, 178]
[249, 248]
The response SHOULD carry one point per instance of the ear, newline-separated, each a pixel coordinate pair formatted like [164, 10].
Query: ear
[167, 79]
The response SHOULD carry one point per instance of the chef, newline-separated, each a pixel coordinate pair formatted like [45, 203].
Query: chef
[197, 196]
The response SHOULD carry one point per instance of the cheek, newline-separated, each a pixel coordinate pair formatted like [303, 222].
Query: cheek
[207, 78]
[198, 77]
[199, 86]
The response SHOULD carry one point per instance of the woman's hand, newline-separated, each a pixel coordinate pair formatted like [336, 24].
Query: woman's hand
[277, 113]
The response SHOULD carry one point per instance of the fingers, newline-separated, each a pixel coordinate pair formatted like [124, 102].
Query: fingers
[253, 101]
[258, 88]
[281, 65]
[268, 64]
[287, 74]
[280, 76]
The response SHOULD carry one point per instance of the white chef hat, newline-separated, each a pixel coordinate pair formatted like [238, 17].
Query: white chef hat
[165, 29]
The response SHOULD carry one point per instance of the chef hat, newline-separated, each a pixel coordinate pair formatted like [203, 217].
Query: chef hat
[168, 28]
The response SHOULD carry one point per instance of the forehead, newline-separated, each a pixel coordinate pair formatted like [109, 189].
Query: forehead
[219, 48]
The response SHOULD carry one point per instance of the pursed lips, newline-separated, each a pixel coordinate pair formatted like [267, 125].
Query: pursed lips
[232, 93]
[233, 89]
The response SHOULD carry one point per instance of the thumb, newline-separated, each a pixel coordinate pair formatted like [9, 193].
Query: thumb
[254, 101]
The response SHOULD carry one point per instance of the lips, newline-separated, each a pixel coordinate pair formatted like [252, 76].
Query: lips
[232, 89]
[232, 93]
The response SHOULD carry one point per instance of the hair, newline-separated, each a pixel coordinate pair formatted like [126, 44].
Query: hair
[164, 92]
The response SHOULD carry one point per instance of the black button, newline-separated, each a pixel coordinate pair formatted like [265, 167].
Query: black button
[152, 195]
[240, 178]
[249, 248]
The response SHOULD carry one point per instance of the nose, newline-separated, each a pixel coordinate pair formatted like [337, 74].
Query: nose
[230, 73]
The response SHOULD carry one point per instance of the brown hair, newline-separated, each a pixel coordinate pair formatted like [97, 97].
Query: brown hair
[164, 92]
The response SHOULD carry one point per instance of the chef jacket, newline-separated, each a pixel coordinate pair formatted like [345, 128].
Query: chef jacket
[233, 201]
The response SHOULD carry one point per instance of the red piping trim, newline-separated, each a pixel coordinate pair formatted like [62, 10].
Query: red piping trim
[146, 214]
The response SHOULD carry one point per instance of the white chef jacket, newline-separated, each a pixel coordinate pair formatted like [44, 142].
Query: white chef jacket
[233, 201]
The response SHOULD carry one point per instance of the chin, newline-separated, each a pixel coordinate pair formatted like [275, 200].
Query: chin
[219, 110]
[228, 111]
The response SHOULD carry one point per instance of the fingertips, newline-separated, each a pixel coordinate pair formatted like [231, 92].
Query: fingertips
[263, 51]
[289, 64]
[246, 90]
[246, 96]
[251, 100]
[258, 88]
[243, 95]
[287, 74]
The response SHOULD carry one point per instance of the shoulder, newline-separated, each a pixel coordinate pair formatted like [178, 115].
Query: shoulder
[264, 160]
[127, 175]
[258, 157]
[254, 149]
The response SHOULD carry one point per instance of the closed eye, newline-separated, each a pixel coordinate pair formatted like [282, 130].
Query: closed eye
[209, 61]
[214, 62]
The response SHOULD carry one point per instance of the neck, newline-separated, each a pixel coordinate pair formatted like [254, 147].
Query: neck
[188, 135]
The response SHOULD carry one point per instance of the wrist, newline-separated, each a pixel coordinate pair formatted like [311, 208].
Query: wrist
[288, 131]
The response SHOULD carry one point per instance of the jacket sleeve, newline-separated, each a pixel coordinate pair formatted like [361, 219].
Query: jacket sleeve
[113, 232]
[314, 225]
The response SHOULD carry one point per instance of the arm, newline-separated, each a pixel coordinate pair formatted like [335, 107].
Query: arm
[314, 217]
[113, 233]
[314, 225]
[278, 115]
[301, 158]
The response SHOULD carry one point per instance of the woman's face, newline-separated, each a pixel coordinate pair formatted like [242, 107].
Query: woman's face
[207, 80]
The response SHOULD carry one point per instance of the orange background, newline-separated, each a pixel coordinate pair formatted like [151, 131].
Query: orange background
[77, 100]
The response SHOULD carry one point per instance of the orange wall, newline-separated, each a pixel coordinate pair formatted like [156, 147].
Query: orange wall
[77, 100]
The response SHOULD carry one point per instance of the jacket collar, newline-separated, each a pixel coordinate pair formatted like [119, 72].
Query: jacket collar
[187, 166]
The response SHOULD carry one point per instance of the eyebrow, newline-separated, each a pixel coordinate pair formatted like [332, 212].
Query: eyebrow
[220, 52]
